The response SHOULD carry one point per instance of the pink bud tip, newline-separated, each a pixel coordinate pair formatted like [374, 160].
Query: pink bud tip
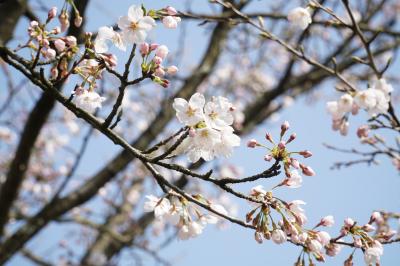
[305, 153]
[282, 145]
[307, 170]
[252, 143]
[268, 136]
[285, 126]
[52, 13]
[268, 157]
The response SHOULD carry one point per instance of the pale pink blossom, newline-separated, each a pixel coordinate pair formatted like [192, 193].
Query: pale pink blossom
[278, 236]
[135, 25]
[300, 17]
[327, 221]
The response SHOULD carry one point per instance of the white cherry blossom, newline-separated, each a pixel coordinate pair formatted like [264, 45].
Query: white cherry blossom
[372, 100]
[295, 180]
[190, 113]
[228, 140]
[105, 35]
[372, 255]
[159, 206]
[217, 113]
[135, 25]
[300, 17]
[89, 100]
[278, 236]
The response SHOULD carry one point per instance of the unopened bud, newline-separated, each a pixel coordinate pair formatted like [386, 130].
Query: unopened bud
[144, 48]
[268, 157]
[307, 170]
[282, 145]
[305, 153]
[171, 11]
[268, 136]
[52, 13]
[172, 70]
[252, 143]
[78, 21]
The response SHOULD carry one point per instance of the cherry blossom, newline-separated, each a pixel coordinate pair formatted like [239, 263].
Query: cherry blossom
[107, 34]
[135, 25]
[89, 100]
[300, 17]
[190, 113]
[373, 254]
[278, 236]
[159, 206]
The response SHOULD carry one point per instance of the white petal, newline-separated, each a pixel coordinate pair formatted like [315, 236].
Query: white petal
[135, 13]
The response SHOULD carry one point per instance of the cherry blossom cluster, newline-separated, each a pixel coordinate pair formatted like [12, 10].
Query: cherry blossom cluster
[210, 130]
[290, 225]
[375, 100]
[368, 237]
[154, 67]
[279, 152]
[49, 45]
[134, 27]
[177, 211]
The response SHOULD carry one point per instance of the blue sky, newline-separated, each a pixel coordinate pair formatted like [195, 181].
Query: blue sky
[353, 192]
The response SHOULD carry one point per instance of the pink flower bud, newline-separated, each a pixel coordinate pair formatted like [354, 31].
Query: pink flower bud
[56, 30]
[170, 22]
[333, 249]
[327, 221]
[305, 153]
[78, 21]
[252, 143]
[64, 21]
[258, 237]
[303, 237]
[34, 24]
[368, 228]
[144, 48]
[268, 157]
[268, 136]
[285, 126]
[295, 164]
[52, 13]
[60, 45]
[71, 41]
[45, 43]
[354, 109]
[157, 60]
[282, 145]
[357, 243]
[171, 11]
[162, 51]
[307, 170]
[110, 59]
[348, 222]
[362, 131]
[172, 70]
[153, 46]
[159, 72]
[50, 54]
[291, 138]
[376, 217]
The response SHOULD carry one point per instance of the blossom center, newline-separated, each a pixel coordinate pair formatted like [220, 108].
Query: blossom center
[190, 112]
[134, 26]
